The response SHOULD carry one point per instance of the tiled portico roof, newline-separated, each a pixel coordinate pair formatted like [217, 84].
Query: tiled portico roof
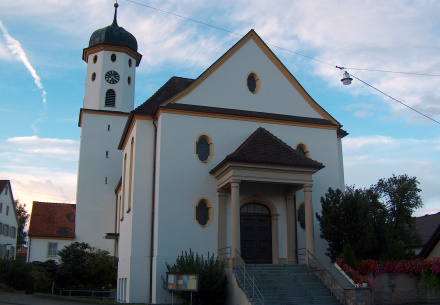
[52, 220]
[263, 147]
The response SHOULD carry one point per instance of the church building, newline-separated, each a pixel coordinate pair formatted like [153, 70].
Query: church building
[236, 159]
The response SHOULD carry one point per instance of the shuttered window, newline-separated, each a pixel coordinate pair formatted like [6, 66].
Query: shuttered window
[110, 98]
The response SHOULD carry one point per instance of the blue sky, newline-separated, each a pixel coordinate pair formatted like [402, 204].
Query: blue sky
[42, 77]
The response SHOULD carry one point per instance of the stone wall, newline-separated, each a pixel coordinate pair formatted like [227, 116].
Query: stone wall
[399, 289]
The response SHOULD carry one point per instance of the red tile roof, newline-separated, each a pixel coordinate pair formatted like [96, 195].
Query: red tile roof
[52, 220]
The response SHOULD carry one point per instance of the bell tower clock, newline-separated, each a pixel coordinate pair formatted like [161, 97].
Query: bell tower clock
[111, 58]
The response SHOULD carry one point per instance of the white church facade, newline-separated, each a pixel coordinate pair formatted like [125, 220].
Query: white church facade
[238, 157]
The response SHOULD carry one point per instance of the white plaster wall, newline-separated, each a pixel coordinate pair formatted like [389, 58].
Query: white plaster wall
[183, 180]
[94, 96]
[135, 229]
[38, 248]
[227, 86]
[10, 219]
[96, 200]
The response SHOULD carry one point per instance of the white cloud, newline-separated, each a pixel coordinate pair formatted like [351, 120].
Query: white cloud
[41, 169]
[368, 159]
[16, 48]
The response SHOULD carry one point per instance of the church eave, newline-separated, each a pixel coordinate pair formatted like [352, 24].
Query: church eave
[109, 47]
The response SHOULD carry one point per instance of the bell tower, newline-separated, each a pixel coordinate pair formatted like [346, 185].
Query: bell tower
[111, 59]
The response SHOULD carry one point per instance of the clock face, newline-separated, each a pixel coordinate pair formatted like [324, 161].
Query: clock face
[112, 77]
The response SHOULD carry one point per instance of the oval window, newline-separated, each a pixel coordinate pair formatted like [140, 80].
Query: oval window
[253, 83]
[129, 62]
[93, 76]
[202, 213]
[203, 149]
[95, 59]
[113, 57]
[129, 80]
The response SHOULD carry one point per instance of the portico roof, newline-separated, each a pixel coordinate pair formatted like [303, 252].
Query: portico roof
[265, 158]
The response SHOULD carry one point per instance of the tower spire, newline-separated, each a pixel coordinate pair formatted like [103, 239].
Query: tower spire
[115, 22]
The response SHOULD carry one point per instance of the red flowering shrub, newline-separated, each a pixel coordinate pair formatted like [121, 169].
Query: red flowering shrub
[369, 266]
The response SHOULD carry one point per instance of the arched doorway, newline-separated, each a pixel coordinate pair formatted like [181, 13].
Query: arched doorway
[256, 234]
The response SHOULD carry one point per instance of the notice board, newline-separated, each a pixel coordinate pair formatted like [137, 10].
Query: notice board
[182, 281]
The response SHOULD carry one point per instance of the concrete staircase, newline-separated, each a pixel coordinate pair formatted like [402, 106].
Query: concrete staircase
[286, 285]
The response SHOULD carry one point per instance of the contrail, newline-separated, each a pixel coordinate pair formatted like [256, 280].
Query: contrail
[15, 46]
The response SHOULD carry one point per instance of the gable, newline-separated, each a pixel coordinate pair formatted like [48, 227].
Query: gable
[224, 84]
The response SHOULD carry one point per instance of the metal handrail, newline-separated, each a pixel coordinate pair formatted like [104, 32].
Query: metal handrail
[257, 289]
[326, 278]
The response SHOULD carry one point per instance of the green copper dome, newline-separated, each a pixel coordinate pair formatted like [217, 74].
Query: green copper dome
[114, 35]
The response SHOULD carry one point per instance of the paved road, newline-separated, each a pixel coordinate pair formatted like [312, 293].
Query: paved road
[26, 299]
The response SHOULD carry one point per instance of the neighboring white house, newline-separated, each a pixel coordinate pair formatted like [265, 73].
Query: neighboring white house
[238, 157]
[8, 221]
[51, 228]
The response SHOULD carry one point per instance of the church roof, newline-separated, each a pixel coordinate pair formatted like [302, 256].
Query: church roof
[52, 220]
[113, 35]
[264, 148]
[172, 87]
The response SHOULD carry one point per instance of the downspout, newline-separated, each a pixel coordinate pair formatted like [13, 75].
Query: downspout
[153, 198]
[296, 229]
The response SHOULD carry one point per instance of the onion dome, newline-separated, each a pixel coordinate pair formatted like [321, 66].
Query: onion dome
[113, 35]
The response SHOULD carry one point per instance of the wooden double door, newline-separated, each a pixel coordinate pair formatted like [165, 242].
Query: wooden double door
[256, 234]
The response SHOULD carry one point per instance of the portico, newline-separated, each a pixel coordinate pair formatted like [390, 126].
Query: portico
[277, 164]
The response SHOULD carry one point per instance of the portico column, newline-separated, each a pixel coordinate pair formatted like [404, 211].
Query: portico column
[310, 234]
[291, 228]
[235, 217]
[221, 234]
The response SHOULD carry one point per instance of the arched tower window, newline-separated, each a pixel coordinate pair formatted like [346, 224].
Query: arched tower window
[110, 98]
[302, 149]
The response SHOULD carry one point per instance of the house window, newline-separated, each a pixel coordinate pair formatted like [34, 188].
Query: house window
[12, 233]
[253, 83]
[302, 149]
[203, 213]
[204, 148]
[302, 216]
[6, 230]
[1, 207]
[7, 210]
[110, 98]
[1, 228]
[52, 249]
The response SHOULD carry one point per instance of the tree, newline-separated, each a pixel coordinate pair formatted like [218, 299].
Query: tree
[82, 265]
[212, 277]
[23, 217]
[354, 217]
[376, 222]
[400, 196]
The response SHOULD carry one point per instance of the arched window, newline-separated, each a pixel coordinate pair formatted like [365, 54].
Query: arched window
[110, 98]
[204, 148]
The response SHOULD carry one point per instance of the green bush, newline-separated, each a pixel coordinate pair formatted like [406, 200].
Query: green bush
[212, 278]
[349, 257]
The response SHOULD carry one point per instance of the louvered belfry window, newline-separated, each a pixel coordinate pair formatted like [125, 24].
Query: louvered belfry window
[110, 98]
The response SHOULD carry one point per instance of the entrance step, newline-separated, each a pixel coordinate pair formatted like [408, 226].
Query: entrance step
[287, 285]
